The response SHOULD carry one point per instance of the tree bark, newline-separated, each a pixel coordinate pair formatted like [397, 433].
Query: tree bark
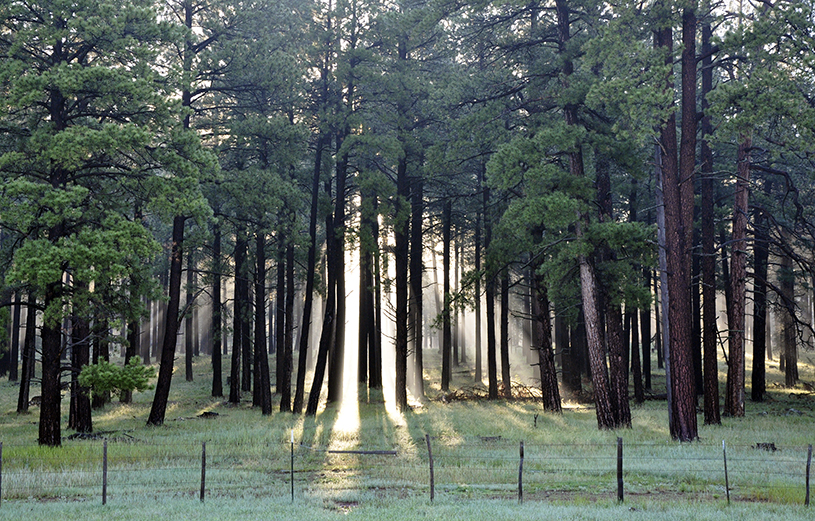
[262, 384]
[28, 354]
[506, 379]
[734, 394]
[446, 350]
[788, 327]
[761, 257]
[188, 324]
[217, 313]
[165, 374]
[708, 231]
[550, 393]
[237, 313]
[416, 275]
[79, 417]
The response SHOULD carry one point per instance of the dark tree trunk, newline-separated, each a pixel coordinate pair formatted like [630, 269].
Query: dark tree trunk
[542, 338]
[50, 416]
[165, 374]
[506, 380]
[416, 272]
[237, 313]
[336, 234]
[645, 326]
[479, 377]
[588, 281]
[734, 395]
[789, 330]
[288, 337]
[217, 314]
[708, 232]
[188, 323]
[618, 370]
[446, 370]
[401, 254]
[375, 341]
[308, 295]
[761, 258]
[28, 355]
[280, 332]
[261, 353]
[328, 334]
[247, 356]
[677, 231]
[492, 363]
[79, 417]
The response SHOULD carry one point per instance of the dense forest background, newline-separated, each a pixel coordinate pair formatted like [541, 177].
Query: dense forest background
[556, 191]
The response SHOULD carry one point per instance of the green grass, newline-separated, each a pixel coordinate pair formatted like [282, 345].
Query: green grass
[569, 465]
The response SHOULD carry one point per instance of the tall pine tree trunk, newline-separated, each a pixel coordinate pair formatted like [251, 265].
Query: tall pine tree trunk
[542, 338]
[416, 272]
[311, 263]
[708, 231]
[262, 385]
[734, 395]
[506, 379]
[237, 313]
[588, 281]
[217, 314]
[165, 374]
[446, 350]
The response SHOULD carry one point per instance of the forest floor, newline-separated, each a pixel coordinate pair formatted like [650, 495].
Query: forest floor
[363, 460]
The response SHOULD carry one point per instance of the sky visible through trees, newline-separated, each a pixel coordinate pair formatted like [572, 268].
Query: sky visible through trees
[575, 193]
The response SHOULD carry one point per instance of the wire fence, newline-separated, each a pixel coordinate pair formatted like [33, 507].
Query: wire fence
[454, 467]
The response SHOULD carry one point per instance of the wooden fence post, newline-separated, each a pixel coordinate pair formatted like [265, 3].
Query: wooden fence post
[521, 476]
[726, 479]
[620, 470]
[105, 472]
[1, 472]
[203, 469]
[430, 459]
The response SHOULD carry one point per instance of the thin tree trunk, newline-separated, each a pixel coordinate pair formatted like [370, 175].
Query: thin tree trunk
[262, 385]
[165, 373]
[761, 258]
[550, 393]
[416, 276]
[281, 383]
[28, 354]
[446, 351]
[237, 313]
[401, 236]
[506, 379]
[734, 395]
[708, 231]
[217, 313]
[308, 293]
[79, 417]
[789, 330]
[188, 334]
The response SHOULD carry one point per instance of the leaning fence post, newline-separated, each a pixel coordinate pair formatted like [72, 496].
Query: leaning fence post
[430, 459]
[809, 464]
[726, 479]
[521, 476]
[620, 470]
[105, 472]
[203, 469]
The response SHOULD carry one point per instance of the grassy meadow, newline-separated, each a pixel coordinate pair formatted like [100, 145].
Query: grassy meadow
[569, 469]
